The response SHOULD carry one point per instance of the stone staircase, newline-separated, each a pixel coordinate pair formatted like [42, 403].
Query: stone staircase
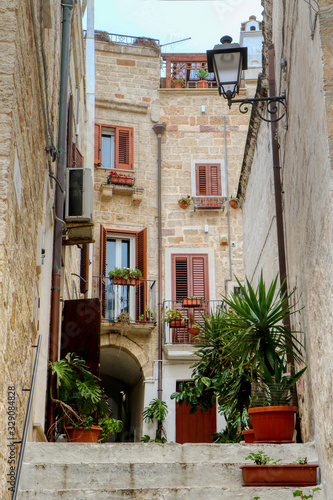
[118, 471]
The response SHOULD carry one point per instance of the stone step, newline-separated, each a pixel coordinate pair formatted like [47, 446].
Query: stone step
[133, 470]
[168, 494]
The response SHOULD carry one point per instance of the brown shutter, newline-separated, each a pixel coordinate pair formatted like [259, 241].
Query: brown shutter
[124, 148]
[97, 144]
[70, 132]
[208, 179]
[102, 290]
[180, 267]
[199, 276]
[201, 180]
[77, 158]
[84, 268]
[141, 252]
[141, 263]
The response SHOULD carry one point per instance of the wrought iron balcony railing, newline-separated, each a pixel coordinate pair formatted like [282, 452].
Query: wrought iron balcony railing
[186, 333]
[137, 302]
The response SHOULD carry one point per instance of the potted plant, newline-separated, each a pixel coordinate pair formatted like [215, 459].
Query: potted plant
[268, 472]
[178, 83]
[115, 178]
[202, 74]
[192, 301]
[124, 277]
[81, 403]
[174, 317]
[233, 202]
[156, 410]
[184, 202]
[148, 315]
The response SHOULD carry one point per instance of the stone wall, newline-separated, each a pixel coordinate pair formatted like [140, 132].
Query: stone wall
[29, 96]
[304, 39]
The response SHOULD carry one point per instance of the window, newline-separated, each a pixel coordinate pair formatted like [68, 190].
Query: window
[122, 249]
[189, 276]
[113, 147]
[208, 190]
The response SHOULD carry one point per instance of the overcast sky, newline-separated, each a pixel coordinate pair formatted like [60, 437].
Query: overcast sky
[205, 21]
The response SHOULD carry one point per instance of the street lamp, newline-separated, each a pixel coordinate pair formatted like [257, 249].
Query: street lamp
[228, 60]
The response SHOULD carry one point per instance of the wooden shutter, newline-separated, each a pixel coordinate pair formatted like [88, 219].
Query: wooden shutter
[102, 290]
[208, 179]
[141, 263]
[70, 132]
[124, 148]
[189, 276]
[84, 268]
[77, 158]
[97, 144]
[181, 274]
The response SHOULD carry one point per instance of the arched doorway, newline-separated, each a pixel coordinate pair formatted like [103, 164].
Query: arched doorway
[123, 380]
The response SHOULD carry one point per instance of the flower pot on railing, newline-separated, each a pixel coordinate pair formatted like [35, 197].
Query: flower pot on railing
[192, 302]
[123, 281]
[123, 179]
[177, 323]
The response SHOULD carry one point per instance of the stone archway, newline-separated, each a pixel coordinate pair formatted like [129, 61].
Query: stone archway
[122, 367]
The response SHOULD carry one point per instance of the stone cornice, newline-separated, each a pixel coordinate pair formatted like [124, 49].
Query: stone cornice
[122, 105]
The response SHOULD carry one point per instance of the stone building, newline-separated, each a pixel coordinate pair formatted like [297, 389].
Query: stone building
[30, 79]
[302, 36]
[193, 251]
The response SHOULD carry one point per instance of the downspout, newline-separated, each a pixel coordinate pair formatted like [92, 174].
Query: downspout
[59, 199]
[228, 208]
[159, 129]
[278, 197]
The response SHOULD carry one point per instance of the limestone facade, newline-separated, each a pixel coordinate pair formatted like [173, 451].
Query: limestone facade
[128, 94]
[302, 37]
[30, 44]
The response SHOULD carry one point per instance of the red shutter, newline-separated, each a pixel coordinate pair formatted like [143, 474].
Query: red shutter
[124, 148]
[102, 291]
[141, 263]
[189, 276]
[180, 266]
[97, 144]
[84, 268]
[208, 179]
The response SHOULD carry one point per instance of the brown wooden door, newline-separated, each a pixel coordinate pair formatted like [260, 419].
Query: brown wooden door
[80, 331]
[196, 428]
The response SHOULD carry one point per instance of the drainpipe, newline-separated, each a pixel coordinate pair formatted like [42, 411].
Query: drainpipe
[278, 197]
[228, 207]
[59, 199]
[159, 129]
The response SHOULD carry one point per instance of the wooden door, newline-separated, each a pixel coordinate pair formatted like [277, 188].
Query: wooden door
[196, 428]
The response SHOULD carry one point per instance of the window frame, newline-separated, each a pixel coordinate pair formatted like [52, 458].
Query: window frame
[122, 134]
[222, 179]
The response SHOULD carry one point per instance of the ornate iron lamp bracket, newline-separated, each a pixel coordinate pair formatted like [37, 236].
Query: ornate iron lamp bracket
[271, 106]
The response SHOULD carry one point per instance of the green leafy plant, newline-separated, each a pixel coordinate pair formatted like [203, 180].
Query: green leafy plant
[180, 81]
[80, 400]
[299, 493]
[260, 458]
[202, 74]
[109, 426]
[124, 317]
[301, 460]
[156, 410]
[125, 273]
[172, 314]
[148, 315]
[185, 199]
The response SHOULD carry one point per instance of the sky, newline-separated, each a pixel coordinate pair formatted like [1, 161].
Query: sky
[205, 21]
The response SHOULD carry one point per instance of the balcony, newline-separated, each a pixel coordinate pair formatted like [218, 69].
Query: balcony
[184, 68]
[127, 308]
[209, 202]
[179, 341]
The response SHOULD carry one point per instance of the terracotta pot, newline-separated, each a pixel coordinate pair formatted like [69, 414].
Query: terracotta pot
[191, 302]
[178, 86]
[233, 203]
[248, 436]
[280, 475]
[129, 181]
[82, 435]
[123, 282]
[114, 178]
[273, 424]
[177, 323]
[194, 331]
[202, 84]
[209, 204]
[182, 205]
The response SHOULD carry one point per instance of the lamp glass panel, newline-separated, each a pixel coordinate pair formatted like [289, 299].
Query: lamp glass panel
[227, 68]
